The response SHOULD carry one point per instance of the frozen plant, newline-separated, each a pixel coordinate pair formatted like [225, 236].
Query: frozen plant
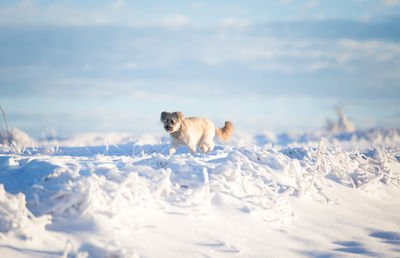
[14, 136]
[343, 125]
[5, 135]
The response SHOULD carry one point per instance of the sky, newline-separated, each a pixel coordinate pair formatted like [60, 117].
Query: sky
[70, 67]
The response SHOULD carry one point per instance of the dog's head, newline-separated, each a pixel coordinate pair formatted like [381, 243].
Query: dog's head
[172, 121]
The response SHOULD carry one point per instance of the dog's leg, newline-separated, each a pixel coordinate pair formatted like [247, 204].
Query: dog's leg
[203, 148]
[210, 145]
[192, 149]
[208, 142]
[173, 148]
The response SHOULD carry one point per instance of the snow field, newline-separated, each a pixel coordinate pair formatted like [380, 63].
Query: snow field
[125, 197]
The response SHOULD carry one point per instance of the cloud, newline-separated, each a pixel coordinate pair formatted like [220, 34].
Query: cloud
[311, 4]
[130, 66]
[126, 13]
[313, 67]
[300, 56]
[373, 50]
[197, 6]
[175, 21]
[391, 2]
[88, 67]
[109, 52]
[103, 62]
[284, 2]
[118, 4]
[26, 12]
[63, 13]
[235, 23]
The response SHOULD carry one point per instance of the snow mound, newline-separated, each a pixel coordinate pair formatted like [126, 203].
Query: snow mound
[101, 196]
[16, 218]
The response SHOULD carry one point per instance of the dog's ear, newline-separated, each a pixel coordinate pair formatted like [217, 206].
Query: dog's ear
[163, 116]
[179, 115]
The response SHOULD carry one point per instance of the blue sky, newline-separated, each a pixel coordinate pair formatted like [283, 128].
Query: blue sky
[113, 66]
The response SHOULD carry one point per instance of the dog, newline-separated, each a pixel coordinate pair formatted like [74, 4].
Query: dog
[193, 132]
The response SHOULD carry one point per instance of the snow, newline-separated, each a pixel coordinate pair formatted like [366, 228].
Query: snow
[296, 194]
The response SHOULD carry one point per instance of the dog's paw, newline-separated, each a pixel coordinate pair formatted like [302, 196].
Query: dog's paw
[171, 151]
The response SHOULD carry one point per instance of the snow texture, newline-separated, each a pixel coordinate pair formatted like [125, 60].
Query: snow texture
[112, 195]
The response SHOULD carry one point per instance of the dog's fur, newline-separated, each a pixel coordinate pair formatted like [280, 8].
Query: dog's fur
[193, 131]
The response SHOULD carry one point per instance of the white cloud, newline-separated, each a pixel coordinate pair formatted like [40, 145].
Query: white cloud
[298, 56]
[27, 12]
[60, 13]
[313, 67]
[364, 18]
[197, 6]
[130, 66]
[311, 4]
[91, 88]
[391, 2]
[88, 67]
[118, 4]
[284, 1]
[175, 21]
[235, 23]
[355, 44]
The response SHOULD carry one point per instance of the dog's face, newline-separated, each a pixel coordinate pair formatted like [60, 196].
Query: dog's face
[172, 121]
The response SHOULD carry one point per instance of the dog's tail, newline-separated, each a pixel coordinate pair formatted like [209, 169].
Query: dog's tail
[224, 134]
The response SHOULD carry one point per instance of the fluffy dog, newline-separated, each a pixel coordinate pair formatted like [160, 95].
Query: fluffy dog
[193, 131]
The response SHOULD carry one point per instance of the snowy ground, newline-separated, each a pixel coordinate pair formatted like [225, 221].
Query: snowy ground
[313, 194]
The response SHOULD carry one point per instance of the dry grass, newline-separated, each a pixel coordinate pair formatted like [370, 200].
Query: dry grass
[5, 134]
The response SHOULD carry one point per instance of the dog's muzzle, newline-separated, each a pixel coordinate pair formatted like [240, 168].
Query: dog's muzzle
[168, 128]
